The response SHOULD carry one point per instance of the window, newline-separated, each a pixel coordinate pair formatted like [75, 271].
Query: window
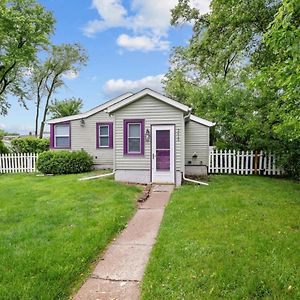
[61, 137]
[104, 135]
[133, 137]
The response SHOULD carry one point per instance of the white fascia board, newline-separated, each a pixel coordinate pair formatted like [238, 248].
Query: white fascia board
[92, 111]
[149, 92]
[202, 121]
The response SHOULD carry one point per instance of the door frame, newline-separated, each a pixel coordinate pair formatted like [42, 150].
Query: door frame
[171, 127]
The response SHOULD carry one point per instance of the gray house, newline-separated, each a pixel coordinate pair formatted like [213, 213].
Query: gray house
[144, 137]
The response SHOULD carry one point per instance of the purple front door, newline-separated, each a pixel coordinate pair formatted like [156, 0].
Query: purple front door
[163, 150]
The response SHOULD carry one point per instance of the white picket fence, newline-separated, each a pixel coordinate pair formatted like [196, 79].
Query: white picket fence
[242, 162]
[18, 163]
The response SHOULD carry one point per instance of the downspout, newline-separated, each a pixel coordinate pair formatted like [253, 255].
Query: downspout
[184, 178]
[98, 176]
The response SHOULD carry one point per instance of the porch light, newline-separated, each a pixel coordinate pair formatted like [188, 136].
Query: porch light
[147, 135]
[82, 122]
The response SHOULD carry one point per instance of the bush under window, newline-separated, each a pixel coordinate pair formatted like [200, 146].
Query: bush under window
[64, 162]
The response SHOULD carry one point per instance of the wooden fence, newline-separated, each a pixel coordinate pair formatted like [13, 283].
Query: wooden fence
[18, 162]
[242, 162]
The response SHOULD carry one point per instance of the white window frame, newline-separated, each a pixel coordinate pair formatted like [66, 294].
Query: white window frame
[100, 135]
[133, 137]
[62, 135]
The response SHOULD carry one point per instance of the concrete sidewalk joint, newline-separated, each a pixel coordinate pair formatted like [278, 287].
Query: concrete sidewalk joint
[120, 270]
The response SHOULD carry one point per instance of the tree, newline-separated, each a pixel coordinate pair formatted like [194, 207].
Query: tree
[47, 76]
[241, 69]
[65, 108]
[282, 74]
[211, 73]
[224, 40]
[25, 28]
[283, 40]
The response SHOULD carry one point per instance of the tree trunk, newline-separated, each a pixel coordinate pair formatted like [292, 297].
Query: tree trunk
[4, 82]
[38, 104]
[50, 91]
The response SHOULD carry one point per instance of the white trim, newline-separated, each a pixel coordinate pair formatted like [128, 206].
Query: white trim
[149, 92]
[61, 136]
[202, 121]
[99, 137]
[92, 111]
[134, 137]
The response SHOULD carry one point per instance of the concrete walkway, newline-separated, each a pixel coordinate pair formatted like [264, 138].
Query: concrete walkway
[120, 271]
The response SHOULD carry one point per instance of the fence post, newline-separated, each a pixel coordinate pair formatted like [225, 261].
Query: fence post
[247, 162]
[251, 162]
[226, 163]
[255, 162]
[209, 155]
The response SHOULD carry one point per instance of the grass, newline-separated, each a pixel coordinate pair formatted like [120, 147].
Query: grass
[239, 238]
[53, 228]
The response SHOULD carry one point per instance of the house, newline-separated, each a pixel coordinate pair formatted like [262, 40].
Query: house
[144, 137]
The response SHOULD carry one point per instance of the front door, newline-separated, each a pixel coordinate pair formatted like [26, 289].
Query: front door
[163, 158]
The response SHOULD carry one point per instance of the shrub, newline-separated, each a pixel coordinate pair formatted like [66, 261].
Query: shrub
[30, 145]
[64, 162]
[3, 148]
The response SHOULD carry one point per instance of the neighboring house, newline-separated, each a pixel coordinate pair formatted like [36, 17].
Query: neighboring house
[144, 137]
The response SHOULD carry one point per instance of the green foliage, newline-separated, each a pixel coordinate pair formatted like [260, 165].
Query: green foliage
[30, 145]
[65, 108]
[241, 70]
[25, 27]
[280, 76]
[224, 39]
[238, 238]
[3, 148]
[288, 155]
[64, 162]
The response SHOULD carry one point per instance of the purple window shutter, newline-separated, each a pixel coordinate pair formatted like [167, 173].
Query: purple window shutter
[51, 136]
[142, 137]
[97, 135]
[111, 132]
[70, 134]
[125, 136]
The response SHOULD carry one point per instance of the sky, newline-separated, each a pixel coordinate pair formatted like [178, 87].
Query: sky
[128, 43]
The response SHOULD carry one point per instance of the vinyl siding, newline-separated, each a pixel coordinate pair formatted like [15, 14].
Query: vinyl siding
[154, 112]
[84, 137]
[196, 140]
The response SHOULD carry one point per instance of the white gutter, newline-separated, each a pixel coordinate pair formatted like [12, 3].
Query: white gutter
[98, 176]
[184, 178]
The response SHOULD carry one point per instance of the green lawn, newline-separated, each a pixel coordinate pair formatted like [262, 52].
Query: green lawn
[53, 228]
[239, 238]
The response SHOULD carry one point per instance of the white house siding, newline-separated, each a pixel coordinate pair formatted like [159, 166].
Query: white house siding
[154, 112]
[196, 141]
[84, 137]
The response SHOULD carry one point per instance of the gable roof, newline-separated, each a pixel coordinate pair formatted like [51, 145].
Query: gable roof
[93, 111]
[202, 121]
[127, 98]
[149, 92]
